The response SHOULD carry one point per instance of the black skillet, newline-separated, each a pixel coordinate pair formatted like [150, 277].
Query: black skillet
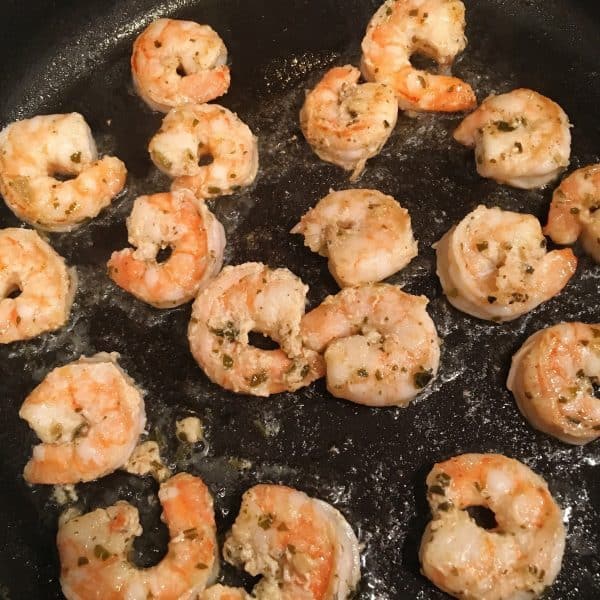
[59, 56]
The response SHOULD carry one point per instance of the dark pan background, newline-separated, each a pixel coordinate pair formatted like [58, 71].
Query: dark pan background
[371, 464]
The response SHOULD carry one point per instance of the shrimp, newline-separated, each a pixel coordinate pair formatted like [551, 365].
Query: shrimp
[94, 548]
[221, 592]
[179, 62]
[574, 211]
[366, 235]
[211, 135]
[246, 298]
[521, 138]
[434, 28]
[34, 151]
[494, 265]
[176, 221]
[516, 558]
[381, 347]
[552, 378]
[89, 415]
[345, 122]
[303, 547]
[36, 286]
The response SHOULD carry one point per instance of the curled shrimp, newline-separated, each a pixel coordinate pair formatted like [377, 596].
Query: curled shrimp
[345, 122]
[176, 221]
[45, 287]
[434, 28]
[381, 347]
[303, 547]
[89, 415]
[34, 151]
[494, 265]
[94, 548]
[516, 558]
[246, 298]
[179, 62]
[552, 377]
[366, 235]
[213, 136]
[221, 592]
[574, 211]
[521, 138]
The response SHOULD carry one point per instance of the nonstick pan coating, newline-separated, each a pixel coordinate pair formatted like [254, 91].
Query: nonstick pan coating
[371, 464]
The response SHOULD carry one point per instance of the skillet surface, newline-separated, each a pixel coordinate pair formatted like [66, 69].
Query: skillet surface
[60, 56]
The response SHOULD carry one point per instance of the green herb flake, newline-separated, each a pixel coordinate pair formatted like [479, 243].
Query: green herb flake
[229, 331]
[437, 490]
[422, 378]
[161, 160]
[265, 521]
[258, 378]
[362, 372]
[76, 157]
[504, 126]
[445, 506]
[304, 371]
[101, 552]
[227, 361]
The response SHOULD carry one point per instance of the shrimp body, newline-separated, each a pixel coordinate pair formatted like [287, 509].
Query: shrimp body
[303, 547]
[434, 28]
[33, 151]
[494, 265]
[221, 592]
[514, 560]
[520, 138]
[195, 132]
[574, 211]
[176, 221]
[552, 378]
[381, 347]
[366, 235]
[345, 122]
[89, 415]
[28, 264]
[245, 298]
[179, 62]
[94, 548]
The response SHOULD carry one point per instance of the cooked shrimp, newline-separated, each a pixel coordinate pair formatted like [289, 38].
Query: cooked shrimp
[221, 592]
[514, 560]
[45, 286]
[366, 235]
[89, 415]
[345, 122]
[94, 548]
[179, 62]
[303, 547]
[381, 346]
[33, 151]
[246, 298]
[433, 28]
[494, 265]
[521, 138]
[574, 211]
[552, 377]
[212, 135]
[176, 221]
